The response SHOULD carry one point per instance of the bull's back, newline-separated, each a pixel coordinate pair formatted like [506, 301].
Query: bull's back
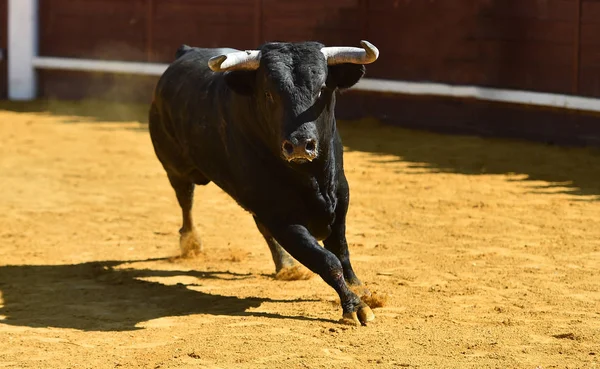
[188, 78]
[182, 110]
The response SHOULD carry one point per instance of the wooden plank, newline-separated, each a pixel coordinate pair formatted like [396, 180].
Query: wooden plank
[590, 12]
[589, 81]
[498, 74]
[115, 29]
[103, 29]
[3, 46]
[426, 8]
[229, 11]
[315, 6]
[466, 49]
[514, 44]
[215, 23]
[590, 34]
[333, 22]
[518, 29]
[149, 30]
[327, 36]
[590, 56]
[561, 10]
[336, 12]
[444, 62]
[576, 49]
[167, 38]
[589, 64]
[91, 8]
[258, 21]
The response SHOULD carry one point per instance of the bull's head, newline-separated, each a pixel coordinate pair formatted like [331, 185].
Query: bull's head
[293, 88]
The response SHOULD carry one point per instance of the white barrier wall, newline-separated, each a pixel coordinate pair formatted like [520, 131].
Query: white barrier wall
[22, 49]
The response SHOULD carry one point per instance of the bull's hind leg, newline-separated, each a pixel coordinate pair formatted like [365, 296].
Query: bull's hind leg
[189, 240]
[280, 257]
[285, 266]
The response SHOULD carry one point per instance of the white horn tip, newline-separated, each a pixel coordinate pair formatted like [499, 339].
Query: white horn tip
[215, 62]
[371, 50]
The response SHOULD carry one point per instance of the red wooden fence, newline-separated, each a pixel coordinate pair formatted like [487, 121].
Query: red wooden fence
[539, 45]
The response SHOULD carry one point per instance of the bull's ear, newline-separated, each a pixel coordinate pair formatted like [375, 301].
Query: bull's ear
[241, 81]
[345, 75]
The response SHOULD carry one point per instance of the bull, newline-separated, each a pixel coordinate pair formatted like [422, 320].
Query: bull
[260, 124]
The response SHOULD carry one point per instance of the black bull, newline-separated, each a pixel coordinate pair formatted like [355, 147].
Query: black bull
[260, 125]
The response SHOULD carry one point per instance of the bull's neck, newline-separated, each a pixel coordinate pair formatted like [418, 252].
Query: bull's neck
[320, 171]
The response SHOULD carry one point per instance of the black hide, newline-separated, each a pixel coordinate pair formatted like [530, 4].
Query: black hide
[228, 128]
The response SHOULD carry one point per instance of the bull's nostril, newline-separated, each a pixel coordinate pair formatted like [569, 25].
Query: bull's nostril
[310, 146]
[288, 148]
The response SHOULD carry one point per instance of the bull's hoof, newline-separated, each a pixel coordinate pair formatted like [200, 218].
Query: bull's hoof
[293, 273]
[190, 244]
[360, 317]
[350, 319]
[365, 314]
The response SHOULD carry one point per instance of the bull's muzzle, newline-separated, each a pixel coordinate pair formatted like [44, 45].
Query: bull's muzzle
[299, 150]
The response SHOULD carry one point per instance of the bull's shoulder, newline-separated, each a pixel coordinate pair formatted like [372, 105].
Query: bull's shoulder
[189, 75]
[183, 49]
[201, 52]
[191, 67]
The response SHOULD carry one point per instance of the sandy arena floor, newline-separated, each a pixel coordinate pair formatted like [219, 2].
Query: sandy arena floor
[489, 251]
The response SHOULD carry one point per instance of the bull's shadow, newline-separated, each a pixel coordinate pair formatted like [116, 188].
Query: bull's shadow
[96, 296]
[573, 171]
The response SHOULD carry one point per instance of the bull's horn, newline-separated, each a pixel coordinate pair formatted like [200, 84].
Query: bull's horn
[239, 60]
[354, 55]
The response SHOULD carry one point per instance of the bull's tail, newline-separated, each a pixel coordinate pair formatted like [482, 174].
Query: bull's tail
[183, 49]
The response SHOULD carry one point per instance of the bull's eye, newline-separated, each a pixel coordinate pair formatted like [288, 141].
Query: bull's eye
[268, 97]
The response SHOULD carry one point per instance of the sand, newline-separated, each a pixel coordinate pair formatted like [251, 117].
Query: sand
[488, 252]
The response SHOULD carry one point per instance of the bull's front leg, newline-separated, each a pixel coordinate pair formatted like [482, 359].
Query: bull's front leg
[336, 242]
[298, 241]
